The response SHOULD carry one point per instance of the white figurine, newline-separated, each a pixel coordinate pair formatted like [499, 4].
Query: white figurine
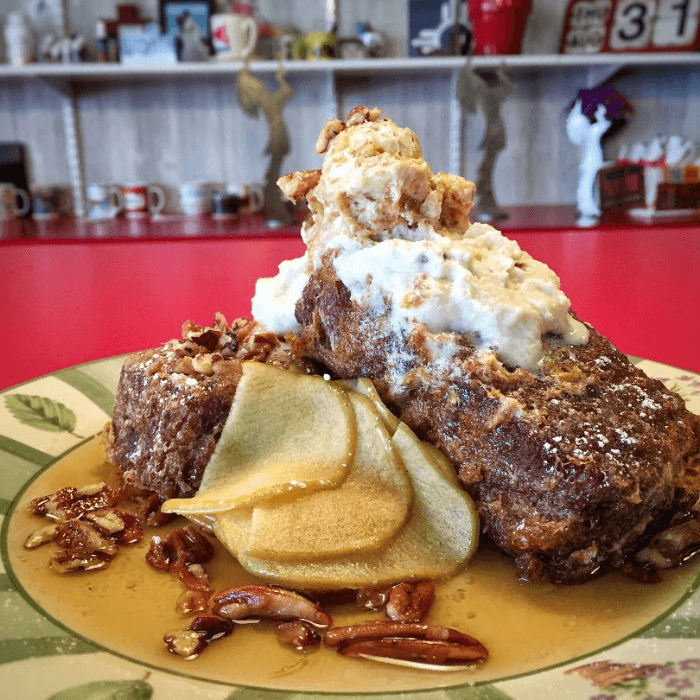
[588, 135]
[592, 116]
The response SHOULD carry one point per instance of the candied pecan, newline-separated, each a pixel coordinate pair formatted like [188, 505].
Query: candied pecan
[72, 560]
[257, 601]
[417, 650]
[672, 546]
[330, 130]
[190, 643]
[372, 597]
[179, 548]
[41, 536]
[410, 602]
[411, 642]
[70, 502]
[183, 366]
[149, 513]
[76, 535]
[193, 602]
[117, 524]
[362, 113]
[209, 339]
[194, 578]
[298, 634]
[297, 185]
[202, 364]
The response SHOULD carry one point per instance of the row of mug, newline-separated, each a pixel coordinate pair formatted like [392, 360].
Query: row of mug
[190, 199]
[45, 202]
[134, 201]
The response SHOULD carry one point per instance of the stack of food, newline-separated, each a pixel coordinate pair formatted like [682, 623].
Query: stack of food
[574, 458]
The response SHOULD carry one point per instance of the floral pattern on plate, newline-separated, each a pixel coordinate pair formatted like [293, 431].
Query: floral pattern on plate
[42, 419]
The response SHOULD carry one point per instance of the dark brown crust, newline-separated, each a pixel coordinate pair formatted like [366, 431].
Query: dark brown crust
[572, 468]
[169, 416]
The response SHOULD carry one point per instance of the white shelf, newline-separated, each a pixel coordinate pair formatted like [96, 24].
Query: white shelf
[117, 72]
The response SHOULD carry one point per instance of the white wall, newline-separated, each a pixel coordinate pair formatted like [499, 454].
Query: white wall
[183, 129]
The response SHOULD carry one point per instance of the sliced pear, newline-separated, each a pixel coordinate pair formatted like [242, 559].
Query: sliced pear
[440, 460]
[365, 386]
[438, 539]
[360, 515]
[275, 442]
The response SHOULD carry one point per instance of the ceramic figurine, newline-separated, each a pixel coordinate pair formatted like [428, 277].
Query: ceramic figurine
[594, 115]
[254, 97]
[489, 91]
[19, 40]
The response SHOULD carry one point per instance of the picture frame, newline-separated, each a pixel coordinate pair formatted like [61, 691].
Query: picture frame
[187, 22]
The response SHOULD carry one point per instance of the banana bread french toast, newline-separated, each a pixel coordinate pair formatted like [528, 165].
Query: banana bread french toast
[172, 403]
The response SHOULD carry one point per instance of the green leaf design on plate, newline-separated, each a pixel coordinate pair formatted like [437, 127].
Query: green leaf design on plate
[107, 690]
[40, 412]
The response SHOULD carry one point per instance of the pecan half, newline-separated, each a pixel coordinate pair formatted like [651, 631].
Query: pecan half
[372, 597]
[256, 601]
[410, 602]
[67, 561]
[76, 535]
[149, 513]
[41, 536]
[330, 130]
[362, 113]
[118, 524]
[178, 549]
[70, 502]
[193, 602]
[298, 634]
[297, 185]
[407, 642]
[190, 643]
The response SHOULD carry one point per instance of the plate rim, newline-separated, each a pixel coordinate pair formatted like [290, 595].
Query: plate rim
[692, 588]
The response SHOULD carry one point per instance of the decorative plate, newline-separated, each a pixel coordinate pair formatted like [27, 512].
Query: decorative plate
[99, 636]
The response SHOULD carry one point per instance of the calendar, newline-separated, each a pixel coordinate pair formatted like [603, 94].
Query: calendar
[615, 26]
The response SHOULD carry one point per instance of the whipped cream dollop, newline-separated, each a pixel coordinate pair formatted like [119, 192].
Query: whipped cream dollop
[400, 240]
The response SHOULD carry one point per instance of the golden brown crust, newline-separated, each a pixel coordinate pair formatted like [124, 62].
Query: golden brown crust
[172, 403]
[572, 468]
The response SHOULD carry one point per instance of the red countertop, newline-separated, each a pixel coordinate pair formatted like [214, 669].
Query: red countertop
[66, 300]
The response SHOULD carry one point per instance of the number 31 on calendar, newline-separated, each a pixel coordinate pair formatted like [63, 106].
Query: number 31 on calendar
[654, 25]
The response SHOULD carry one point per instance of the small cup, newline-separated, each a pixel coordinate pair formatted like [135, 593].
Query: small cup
[319, 45]
[140, 200]
[225, 205]
[48, 203]
[14, 201]
[252, 197]
[195, 198]
[499, 27]
[233, 36]
[104, 201]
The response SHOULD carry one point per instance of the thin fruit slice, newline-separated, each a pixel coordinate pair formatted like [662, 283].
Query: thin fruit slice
[275, 443]
[438, 458]
[360, 515]
[365, 386]
[437, 541]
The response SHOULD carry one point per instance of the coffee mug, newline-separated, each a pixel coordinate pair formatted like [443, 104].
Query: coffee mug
[13, 201]
[195, 198]
[104, 201]
[49, 202]
[140, 199]
[251, 197]
[319, 45]
[225, 205]
[233, 36]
